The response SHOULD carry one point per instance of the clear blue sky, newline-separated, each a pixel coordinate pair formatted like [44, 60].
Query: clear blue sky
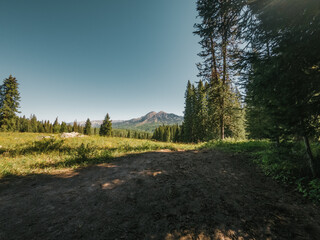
[77, 58]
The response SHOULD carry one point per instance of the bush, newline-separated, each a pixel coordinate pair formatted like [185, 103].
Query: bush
[85, 152]
[310, 189]
[286, 162]
[47, 145]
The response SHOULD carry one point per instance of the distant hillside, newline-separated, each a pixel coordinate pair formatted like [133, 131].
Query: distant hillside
[150, 121]
[147, 122]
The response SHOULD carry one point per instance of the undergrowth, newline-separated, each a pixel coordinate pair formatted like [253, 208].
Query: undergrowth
[286, 162]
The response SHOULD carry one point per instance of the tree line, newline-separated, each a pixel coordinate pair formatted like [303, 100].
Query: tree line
[168, 133]
[9, 121]
[271, 50]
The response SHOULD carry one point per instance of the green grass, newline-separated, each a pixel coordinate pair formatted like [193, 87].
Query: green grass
[239, 146]
[30, 153]
[286, 163]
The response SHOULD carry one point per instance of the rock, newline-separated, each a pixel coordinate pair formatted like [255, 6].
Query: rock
[71, 135]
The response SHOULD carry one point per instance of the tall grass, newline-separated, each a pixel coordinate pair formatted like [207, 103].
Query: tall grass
[33, 153]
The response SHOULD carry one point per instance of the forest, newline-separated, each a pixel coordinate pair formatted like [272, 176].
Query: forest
[257, 96]
[269, 53]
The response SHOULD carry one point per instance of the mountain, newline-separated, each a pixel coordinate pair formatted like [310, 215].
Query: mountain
[147, 122]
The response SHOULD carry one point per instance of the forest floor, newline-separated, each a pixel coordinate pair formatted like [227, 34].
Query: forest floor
[156, 195]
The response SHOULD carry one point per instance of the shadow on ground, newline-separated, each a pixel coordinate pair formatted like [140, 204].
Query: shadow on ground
[157, 195]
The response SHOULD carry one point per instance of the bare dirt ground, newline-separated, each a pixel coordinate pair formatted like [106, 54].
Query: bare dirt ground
[158, 195]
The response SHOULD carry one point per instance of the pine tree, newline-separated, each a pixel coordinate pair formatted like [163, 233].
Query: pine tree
[106, 126]
[75, 126]
[63, 127]
[56, 126]
[40, 127]
[189, 113]
[283, 78]
[201, 113]
[47, 127]
[33, 123]
[218, 31]
[80, 129]
[87, 127]
[9, 104]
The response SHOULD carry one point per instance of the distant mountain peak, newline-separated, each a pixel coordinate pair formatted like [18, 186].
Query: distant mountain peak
[147, 122]
[150, 114]
[150, 121]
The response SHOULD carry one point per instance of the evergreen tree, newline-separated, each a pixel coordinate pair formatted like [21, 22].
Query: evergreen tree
[40, 127]
[169, 133]
[201, 113]
[9, 104]
[33, 123]
[63, 127]
[283, 78]
[80, 129]
[106, 126]
[87, 127]
[218, 31]
[24, 126]
[75, 126]
[56, 126]
[47, 127]
[189, 113]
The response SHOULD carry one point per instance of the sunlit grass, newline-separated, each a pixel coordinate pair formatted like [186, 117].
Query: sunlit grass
[238, 146]
[31, 153]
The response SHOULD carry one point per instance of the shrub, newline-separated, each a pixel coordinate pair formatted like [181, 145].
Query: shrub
[85, 152]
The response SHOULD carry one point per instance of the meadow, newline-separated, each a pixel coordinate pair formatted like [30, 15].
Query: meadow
[33, 153]
[24, 154]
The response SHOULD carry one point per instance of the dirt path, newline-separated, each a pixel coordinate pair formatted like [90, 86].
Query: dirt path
[159, 195]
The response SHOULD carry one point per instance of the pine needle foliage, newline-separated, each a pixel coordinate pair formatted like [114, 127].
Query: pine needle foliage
[9, 104]
[106, 127]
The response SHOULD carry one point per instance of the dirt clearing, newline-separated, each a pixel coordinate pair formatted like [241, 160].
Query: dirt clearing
[157, 195]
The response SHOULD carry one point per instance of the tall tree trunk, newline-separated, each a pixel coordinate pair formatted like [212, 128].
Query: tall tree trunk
[222, 127]
[223, 85]
[310, 156]
[214, 70]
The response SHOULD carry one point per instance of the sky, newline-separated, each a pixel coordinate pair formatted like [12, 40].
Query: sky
[80, 59]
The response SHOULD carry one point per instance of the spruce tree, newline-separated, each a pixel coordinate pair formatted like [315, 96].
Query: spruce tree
[106, 126]
[9, 104]
[283, 77]
[87, 127]
[63, 127]
[75, 126]
[40, 127]
[189, 113]
[33, 123]
[56, 126]
[218, 30]
[201, 113]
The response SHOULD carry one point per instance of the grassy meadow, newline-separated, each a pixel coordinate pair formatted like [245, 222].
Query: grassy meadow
[34, 153]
